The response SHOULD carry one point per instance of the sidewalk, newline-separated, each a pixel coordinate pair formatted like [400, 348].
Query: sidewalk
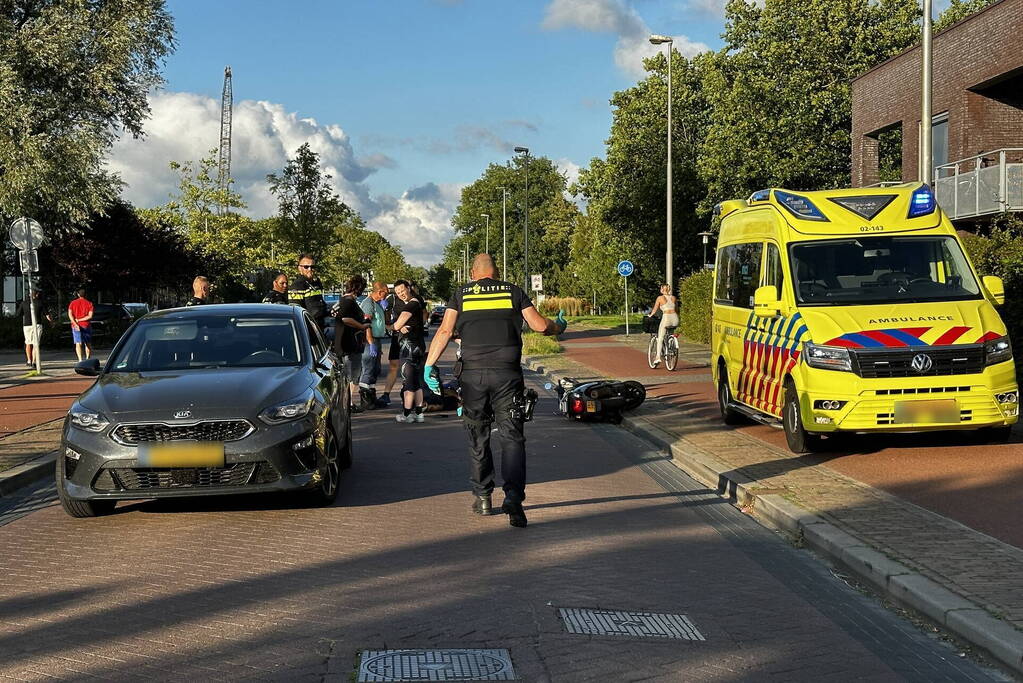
[961, 578]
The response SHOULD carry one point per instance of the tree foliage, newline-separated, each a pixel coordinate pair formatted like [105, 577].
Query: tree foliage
[73, 73]
[958, 10]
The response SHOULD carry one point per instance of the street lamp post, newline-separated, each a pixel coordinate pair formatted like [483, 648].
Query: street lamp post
[504, 231]
[926, 152]
[668, 263]
[487, 248]
[525, 240]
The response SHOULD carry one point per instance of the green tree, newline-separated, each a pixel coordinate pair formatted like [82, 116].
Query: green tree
[779, 90]
[309, 209]
[551, 217]
[959, 10]
[73, 73]
[626, 189]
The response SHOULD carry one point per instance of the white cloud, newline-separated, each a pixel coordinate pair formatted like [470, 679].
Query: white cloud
[570, 170]
[618, 17]
[186, 126]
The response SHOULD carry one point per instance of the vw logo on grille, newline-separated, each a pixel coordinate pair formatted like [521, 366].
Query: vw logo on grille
[185, 414]
[921, 363]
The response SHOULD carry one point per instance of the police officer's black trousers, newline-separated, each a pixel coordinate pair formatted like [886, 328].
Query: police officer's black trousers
[490, 396]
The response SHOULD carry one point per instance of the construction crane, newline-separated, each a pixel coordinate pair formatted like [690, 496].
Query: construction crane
[224, 160]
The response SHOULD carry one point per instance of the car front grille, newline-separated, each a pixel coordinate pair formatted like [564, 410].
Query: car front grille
[161, 478]
[207, 430]
[952, 360]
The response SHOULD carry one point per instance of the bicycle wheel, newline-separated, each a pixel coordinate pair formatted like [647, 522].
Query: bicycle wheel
[671, 352]
[651, 351]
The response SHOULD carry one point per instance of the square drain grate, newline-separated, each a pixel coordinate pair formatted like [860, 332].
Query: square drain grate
[635, 624]
[436, 665]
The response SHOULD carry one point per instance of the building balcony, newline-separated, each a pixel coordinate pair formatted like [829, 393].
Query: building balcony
[981, 185]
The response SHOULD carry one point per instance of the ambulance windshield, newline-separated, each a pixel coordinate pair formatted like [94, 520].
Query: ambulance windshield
[881, 270]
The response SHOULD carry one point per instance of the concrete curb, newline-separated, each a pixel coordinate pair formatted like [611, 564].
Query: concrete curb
[900, 583]
[16, 477]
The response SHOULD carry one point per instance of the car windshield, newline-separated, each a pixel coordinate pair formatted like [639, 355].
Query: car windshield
[208, 341]
[878, 270]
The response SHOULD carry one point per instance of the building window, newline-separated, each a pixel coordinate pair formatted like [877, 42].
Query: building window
[939, 142]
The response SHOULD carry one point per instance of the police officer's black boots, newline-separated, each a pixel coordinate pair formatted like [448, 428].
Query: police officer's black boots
[482, 505]
[516, 515]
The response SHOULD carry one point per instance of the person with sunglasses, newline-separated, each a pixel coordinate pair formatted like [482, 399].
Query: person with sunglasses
[306, 290]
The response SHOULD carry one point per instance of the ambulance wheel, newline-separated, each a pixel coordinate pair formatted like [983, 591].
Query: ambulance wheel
[798, 439]
[729, 415]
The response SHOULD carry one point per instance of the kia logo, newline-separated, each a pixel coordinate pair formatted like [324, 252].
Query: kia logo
[921, 363]
[185, 414]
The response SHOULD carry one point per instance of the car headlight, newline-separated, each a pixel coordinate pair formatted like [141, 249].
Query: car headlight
[294, 409]
[87, 420]
[997, 351]
[827, 357]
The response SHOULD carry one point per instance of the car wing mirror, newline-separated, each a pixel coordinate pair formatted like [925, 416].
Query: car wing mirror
[89, 367]
[765, 302]
[996, 288]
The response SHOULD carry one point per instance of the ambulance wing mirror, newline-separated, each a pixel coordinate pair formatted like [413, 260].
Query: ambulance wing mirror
[995, 287]
[765, 302]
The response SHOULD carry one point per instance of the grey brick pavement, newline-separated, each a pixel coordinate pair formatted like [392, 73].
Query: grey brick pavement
[267, 589]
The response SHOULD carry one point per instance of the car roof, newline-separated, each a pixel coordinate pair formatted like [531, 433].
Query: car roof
[186, 312]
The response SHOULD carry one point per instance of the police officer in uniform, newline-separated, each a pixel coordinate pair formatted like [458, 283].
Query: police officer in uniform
[487, 314]
[306, 290]
[279, 293]
[200, 291]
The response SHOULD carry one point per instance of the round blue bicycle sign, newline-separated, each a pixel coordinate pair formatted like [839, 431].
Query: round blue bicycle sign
[625, 268]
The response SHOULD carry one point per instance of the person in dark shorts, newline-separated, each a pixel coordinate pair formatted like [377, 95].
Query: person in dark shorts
[408, 323]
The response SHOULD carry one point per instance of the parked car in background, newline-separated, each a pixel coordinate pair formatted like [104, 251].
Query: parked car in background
[437, 314]
[109, 322]
[208, 400]
[137, 310]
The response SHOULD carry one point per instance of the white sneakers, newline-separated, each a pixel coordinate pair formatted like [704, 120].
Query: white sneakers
[410, 418]
[419, 417]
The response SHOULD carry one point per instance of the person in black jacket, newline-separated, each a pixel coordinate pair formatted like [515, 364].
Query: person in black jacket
[307, 291]
[200, 291]
[279, 293]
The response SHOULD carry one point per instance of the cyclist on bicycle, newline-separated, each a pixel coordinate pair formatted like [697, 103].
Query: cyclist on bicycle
[665, 303]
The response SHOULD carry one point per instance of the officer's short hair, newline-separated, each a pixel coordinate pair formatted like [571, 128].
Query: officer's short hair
[306, 255]
[402, 282]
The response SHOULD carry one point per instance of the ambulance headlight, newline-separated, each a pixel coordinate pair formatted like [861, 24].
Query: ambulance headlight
[827, 357]
[997, 351]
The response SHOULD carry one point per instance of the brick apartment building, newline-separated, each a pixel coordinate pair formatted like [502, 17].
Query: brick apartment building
[978, 115]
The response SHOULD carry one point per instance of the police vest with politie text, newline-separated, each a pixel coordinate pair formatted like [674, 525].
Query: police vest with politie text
[490, 322]
[307, 292]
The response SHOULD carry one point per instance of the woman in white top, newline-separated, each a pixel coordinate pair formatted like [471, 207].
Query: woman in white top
[669, 317]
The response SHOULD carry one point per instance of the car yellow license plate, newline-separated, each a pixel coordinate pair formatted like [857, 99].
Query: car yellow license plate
[591, 406]
[941, 411]
[190, 454]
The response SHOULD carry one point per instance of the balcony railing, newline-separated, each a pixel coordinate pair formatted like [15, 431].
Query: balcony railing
[981, 185]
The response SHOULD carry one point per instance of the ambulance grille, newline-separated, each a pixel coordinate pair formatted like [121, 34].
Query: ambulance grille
[966, 359]
[921, 390]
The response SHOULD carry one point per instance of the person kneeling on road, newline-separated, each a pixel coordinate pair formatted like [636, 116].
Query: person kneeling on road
[487, 314]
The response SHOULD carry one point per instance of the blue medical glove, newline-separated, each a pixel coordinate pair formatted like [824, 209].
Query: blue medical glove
[373, 350]
[561, 322]
[432, 378]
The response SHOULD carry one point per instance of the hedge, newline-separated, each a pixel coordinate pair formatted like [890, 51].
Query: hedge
[694, 298]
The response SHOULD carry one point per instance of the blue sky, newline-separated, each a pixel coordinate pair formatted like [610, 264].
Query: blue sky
[407, 100]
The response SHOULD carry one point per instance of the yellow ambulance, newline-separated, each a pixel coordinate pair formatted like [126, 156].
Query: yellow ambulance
[855, 311]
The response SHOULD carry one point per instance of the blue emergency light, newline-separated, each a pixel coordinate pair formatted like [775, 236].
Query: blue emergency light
[922, 202]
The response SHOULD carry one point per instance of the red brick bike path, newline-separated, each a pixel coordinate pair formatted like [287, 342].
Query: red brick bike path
[950, 473]
[36, 402]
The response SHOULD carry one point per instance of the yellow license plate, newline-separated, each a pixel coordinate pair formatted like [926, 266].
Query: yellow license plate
[190, 454]
[941, 411]
[591, 406]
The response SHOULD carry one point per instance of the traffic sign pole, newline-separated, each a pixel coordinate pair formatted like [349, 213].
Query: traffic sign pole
[27, 235]
[626, 305]
[625, 269]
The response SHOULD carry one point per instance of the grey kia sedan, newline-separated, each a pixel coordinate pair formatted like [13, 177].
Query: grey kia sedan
[208, 400]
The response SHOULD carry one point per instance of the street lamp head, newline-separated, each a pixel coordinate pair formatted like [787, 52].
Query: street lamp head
[485, 215]
[660, 40]
[522, 150]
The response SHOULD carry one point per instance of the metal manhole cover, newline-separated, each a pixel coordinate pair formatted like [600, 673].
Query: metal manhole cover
[436, 665]
[636, 624]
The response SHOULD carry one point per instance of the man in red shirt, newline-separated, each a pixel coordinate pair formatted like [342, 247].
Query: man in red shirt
[80, 313]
